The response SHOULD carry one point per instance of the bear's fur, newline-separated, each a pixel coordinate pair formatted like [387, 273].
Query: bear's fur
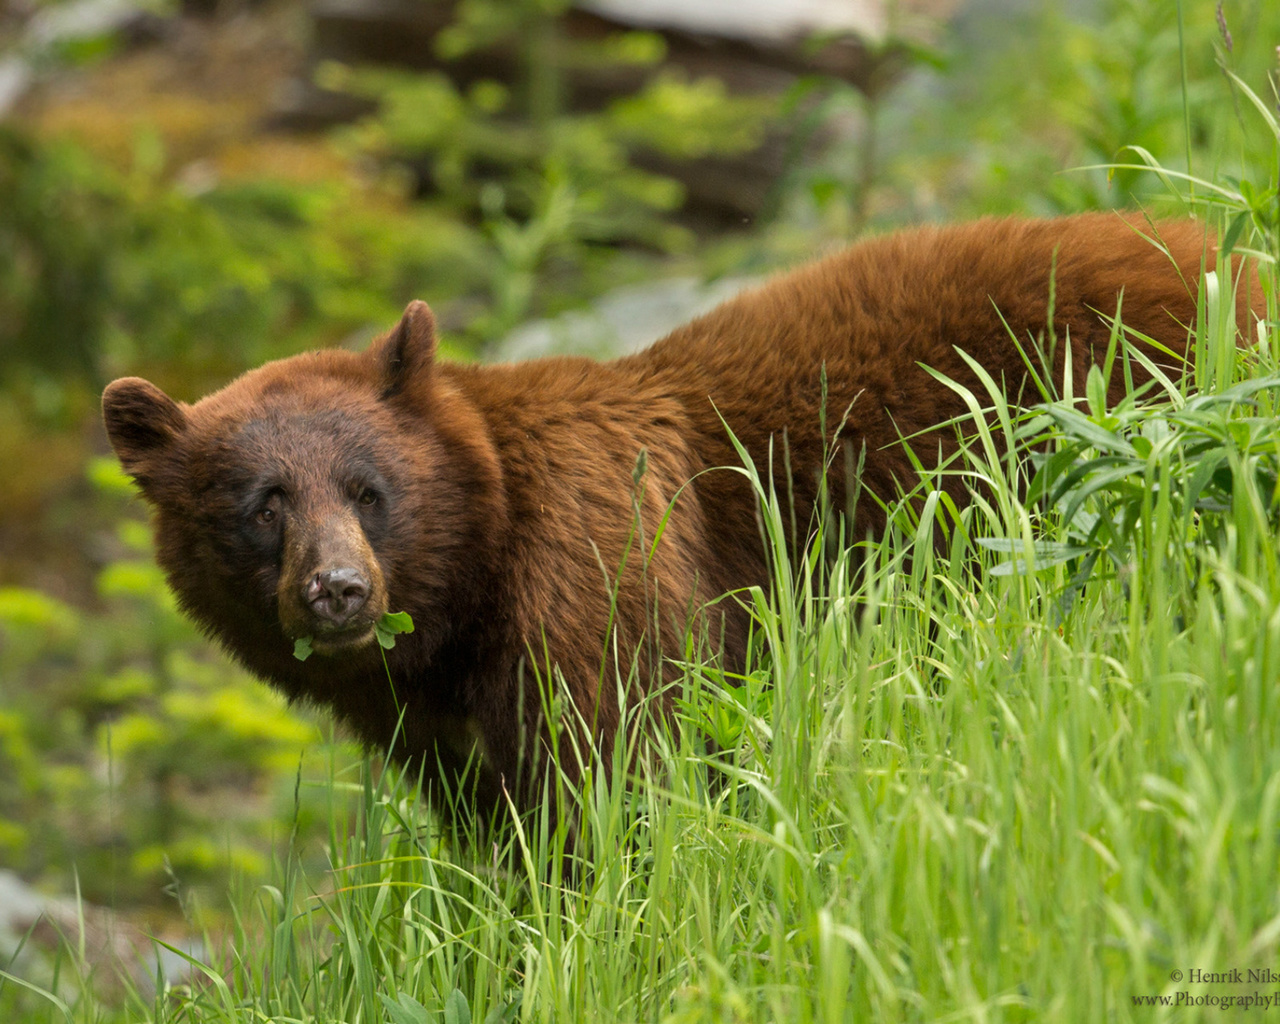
[495, 503]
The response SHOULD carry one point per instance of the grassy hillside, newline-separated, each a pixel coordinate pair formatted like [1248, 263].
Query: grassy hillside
[1032, 772]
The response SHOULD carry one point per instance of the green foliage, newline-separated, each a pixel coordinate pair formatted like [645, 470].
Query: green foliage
[691, 119]
[55, 224]
[550, 190]
[132, 754]
[386, 629]
[117, 269]
[1002, 115]
[114, 271]
[391, 625]
[1197, 462]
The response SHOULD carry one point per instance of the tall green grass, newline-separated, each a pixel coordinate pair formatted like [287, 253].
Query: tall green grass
[988, 780]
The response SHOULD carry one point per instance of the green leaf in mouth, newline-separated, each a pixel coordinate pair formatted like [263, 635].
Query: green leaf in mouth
[385, 629]
[389, 625]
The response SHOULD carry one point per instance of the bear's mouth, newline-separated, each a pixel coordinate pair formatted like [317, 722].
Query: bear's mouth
[339, 641]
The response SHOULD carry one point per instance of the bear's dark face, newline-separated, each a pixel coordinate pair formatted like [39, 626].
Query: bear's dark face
[300, 510]
[307, 498]
[278, 510]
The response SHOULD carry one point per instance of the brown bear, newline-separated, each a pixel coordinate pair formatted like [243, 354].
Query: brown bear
[500, 505]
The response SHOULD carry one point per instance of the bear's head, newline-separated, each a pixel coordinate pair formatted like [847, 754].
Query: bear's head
[314, 494]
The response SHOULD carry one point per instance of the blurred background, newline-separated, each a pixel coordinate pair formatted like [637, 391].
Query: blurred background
[190, 188]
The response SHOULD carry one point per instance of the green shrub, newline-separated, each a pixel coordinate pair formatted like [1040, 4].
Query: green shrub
[132, 756]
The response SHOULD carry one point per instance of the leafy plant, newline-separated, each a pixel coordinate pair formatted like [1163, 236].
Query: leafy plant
[551, 190]
[131, 754]
[1195, 464]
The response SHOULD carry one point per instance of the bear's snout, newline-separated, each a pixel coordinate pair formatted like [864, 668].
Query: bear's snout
[331, 586]
[336, 595]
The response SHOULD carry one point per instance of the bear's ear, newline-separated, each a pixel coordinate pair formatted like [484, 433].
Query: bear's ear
[410, 349]
[142, 421]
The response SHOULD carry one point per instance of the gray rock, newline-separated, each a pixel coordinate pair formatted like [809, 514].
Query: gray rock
[750, 19]
[114, 949]
[623, 321]
[15, 77]
[82, 19]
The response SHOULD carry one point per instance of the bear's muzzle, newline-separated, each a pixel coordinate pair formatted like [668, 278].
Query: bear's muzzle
[331, 586]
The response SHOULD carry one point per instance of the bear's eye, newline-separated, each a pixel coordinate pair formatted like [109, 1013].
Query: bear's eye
[367, 497]
[266, 516]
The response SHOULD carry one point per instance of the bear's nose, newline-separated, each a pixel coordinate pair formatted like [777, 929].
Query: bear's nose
[336, 595]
